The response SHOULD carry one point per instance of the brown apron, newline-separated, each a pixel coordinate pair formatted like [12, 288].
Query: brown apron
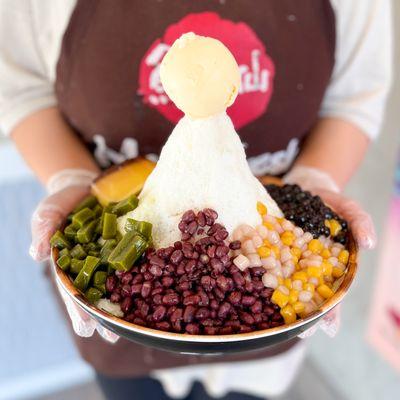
[109, 91]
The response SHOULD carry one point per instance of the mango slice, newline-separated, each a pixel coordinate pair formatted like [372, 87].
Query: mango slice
[120, 182]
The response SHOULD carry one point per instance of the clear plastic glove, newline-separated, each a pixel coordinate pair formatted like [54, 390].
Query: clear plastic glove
[361, 225]
[66, 189]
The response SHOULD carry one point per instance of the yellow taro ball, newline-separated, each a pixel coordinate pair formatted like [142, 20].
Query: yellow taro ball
[300, 275]
[337, 272]
[315, 246]
[279, 298]
[288, 283]
[287, 238]
[335, 227]
[288, 314]
[276, 250]
[261, 208]
[264, 252]
[325, 253]
[315, 272]
[309, 287]
[298, 307]
[293, 296]
[327, 268]
[269, 225]
[325, 291]
[343, 257]
[296, 252]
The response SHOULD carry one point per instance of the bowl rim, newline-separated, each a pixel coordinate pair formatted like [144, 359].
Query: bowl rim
[345, 282]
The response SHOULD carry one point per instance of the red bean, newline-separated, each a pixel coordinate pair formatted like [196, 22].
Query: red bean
[167, 281]
[204, 300]
[222, 283]
[176, 257]
[192, 329]
[188, 216]
[190, 266]
[162, 326]
[188, 314]
[226, 330]
[146, 289]
[159, 313]
[235, 245]
[191, 300]
[217, 266]
[135, 289]
[210, 330]
[126, 278]
[192, 228]
[171, 299]
[157, 290]
[201, 219]
[126, 305]
[238, 279]
[244, 329]
[202, 313]
[248, 301]
[246, 318]
[176, 315]
[256, 307]
[222, 234]
[224, 310]
[178, 245]
[183, 286]
[144, 309]
[139, 321]
[155, 270]
[157, 299]
[258, 271]
[235, 298]
[126, 291]
[267, 293]
[111, 283]
[268, 310]
[137, 279]
[207, 282]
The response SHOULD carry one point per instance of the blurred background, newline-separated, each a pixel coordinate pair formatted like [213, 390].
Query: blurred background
[37, 356]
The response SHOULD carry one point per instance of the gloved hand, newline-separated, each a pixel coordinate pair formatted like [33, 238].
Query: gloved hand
[360, 223]
[321, 184]
[66, 189]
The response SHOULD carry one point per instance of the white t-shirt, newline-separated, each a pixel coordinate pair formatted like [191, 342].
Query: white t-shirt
[30, 38]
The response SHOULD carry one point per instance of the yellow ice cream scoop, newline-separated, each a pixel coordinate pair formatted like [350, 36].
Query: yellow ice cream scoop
[200, 75]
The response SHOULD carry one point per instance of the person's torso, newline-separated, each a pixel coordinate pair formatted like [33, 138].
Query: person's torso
[108, 84]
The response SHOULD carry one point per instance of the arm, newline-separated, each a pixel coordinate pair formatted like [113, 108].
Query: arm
[49, 145]
[335, 147]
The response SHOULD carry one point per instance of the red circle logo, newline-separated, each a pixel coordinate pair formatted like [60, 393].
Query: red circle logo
[256, 67]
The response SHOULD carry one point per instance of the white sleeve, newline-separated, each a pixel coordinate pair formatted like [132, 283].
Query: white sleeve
[30, 37]
[363, 64]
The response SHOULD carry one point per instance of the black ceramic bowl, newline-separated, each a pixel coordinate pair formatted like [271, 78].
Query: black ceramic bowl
[204, 344]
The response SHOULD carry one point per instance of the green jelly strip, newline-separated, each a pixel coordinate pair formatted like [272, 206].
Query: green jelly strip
[87, 232]
[64, 262]
[98, 210]
[76, 266]
[70, 232]
[63, 252]
[82, 217]
[60, 241]
[99, 278]
[87, 202]
[86, 273]
[105, 252]
[124, 206]
[78, 252]
[109, 226]
[142, 227]
[93, 294]
[128, 250]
